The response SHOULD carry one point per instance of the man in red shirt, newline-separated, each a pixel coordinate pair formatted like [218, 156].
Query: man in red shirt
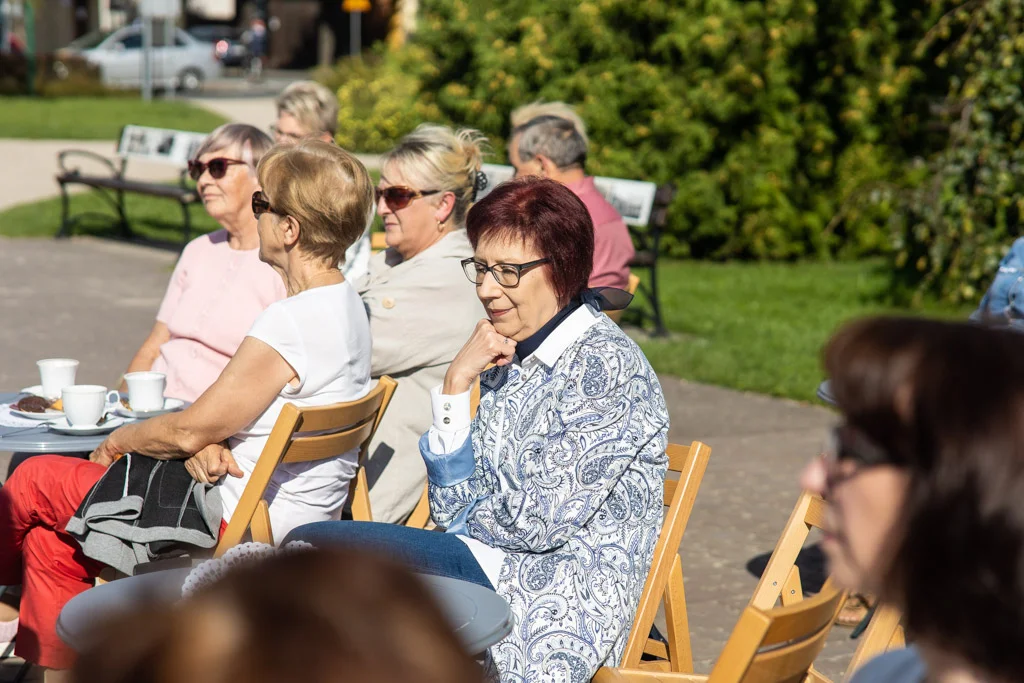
[551, 146]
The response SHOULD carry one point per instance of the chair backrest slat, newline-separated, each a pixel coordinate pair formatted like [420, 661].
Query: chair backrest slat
[780, 644]
[340, 415]
[306, 448]
[347, 426]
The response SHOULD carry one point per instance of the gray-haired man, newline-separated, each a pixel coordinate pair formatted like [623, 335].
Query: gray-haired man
[551, 146]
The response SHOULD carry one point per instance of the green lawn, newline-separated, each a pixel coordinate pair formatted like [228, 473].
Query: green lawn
[96, 118]
[760, 326]
[752, 326]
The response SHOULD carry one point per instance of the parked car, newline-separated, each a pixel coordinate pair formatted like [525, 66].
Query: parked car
[185, 65]
[227, 42]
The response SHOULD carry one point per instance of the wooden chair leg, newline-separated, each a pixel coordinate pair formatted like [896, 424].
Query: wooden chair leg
[677, 621]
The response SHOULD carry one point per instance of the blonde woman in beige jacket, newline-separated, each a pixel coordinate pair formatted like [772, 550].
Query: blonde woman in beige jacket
[421, 307]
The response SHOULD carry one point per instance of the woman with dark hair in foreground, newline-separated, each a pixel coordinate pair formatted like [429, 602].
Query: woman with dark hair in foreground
[925, 491]
[552, 495]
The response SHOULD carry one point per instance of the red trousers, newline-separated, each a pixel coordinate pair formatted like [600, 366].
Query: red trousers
[35, 505]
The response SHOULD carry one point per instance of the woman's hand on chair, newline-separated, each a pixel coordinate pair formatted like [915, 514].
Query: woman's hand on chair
[485, 346]
[213, 462]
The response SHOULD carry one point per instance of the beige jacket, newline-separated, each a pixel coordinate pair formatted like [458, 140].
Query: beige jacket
[421, 313]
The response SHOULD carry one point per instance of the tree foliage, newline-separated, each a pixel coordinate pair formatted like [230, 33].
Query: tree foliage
[792, 128]
[963, 205]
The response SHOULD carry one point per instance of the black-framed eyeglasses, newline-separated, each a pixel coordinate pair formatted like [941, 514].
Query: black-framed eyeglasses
[218, 167]
[847, 444]
[505, 274]
[260, 204]
[397, 197]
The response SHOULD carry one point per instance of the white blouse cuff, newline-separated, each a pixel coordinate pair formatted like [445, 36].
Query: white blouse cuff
[451, 420]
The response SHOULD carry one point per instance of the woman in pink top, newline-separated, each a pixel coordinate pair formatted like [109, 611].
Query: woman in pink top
[219, 286]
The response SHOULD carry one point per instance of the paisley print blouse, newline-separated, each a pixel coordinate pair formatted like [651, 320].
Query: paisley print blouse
[563, 471]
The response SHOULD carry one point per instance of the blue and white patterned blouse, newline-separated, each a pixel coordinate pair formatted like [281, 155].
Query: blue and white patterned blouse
[564, 472]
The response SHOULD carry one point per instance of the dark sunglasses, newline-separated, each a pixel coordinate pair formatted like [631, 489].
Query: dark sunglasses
[260, 204]
[505, 274]
[850, 445]
[218, 167]
[398, 197]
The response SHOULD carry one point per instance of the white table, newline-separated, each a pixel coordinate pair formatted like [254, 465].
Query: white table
[41, 439]
[479, 617]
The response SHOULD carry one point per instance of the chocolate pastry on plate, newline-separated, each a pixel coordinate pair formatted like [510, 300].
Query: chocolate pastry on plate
[32, 404]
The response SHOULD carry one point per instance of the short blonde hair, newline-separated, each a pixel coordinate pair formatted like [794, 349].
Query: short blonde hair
[326, 189]
[439, 158]
[524, 114]
[313, 106]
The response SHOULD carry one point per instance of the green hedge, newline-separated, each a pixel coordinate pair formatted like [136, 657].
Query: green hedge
[792, 128]
[962, 207]
[770, 116]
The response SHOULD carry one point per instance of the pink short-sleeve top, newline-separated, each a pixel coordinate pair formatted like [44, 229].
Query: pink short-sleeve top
[215, 295]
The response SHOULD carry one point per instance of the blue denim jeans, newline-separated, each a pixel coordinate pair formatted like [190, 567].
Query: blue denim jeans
[425, 552]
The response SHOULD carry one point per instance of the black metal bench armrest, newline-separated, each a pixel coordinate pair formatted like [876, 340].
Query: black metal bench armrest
[115, 170]
[183, 179]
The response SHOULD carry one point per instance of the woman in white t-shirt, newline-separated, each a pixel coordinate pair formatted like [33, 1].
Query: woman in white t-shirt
[311, 348]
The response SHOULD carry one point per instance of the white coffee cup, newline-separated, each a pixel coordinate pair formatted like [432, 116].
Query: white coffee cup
[146, 390]
[84, 404]
[55, 374]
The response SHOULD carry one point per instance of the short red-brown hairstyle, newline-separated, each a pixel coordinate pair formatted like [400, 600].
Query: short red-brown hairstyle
[549, 217]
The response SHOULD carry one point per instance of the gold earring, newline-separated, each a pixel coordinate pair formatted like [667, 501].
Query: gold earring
[440, 226]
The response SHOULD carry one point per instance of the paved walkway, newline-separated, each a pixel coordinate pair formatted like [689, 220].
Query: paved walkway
[95, 300]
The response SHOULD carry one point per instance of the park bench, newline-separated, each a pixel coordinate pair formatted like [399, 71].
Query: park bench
[173, 148]
[644, 208]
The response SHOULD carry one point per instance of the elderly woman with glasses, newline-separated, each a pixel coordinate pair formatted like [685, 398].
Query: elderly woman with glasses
[420, 308]
[312, 348]
[924, 486]
[219, 286]
[552, 494]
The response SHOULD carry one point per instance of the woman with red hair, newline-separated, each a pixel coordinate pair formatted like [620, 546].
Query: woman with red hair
[552, 494]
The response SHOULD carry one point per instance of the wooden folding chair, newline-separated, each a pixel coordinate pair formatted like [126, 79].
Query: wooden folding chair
[631, 287]
[781, 582]
[767, 646]
[420, 517]
[665, 580]
[340, 428]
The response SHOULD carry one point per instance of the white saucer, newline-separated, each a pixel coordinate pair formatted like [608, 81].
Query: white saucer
[48, 414]
[170, 405]
[62, 426]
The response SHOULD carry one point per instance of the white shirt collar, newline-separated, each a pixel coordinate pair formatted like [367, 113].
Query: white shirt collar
[563, 336]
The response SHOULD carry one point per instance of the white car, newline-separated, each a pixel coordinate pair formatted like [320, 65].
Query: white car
[185, 65]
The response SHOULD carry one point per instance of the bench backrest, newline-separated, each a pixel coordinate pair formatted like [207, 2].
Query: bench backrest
[633, 199]
[160, 145]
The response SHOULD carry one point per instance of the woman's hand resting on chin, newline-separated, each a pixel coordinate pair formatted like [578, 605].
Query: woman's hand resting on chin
[485, 346]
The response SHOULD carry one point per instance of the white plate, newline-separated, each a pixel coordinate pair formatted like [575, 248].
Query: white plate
[49, 414]
[170, 405]
[36, 390]
[61, 426]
